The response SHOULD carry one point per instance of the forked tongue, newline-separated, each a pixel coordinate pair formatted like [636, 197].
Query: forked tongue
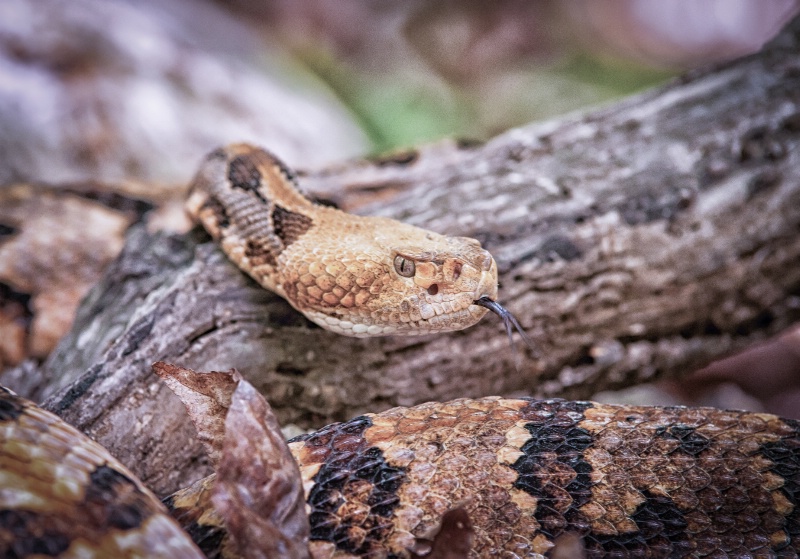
[509, 320]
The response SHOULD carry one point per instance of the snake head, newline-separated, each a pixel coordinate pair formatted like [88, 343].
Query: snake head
[454, 270]
[391, 278]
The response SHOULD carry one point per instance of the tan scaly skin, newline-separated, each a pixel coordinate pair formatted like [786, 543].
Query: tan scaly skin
[354, 275]
[63, 495]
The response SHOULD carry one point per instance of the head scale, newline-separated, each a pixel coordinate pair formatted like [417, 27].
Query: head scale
[382, 277]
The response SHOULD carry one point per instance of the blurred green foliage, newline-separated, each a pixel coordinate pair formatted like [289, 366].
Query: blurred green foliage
[408, 108]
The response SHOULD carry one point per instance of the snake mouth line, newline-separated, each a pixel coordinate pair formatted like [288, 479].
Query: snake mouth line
[509, 321]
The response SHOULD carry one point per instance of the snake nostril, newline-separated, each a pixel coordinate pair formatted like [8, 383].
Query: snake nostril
[433, 289]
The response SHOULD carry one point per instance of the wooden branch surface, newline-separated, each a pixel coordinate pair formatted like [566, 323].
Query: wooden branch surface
[640, 240]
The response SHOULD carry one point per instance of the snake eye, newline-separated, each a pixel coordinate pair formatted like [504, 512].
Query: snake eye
[404, 266]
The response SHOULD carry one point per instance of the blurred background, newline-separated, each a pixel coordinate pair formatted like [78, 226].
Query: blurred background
[137, 91]
[420, 70]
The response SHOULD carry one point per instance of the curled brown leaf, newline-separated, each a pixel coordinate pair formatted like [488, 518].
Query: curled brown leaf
[207, 397]
[259, 490]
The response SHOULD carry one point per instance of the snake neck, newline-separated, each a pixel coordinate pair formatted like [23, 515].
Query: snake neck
[259, 171]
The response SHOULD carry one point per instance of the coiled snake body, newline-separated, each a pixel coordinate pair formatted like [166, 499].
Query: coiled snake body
[632, 481]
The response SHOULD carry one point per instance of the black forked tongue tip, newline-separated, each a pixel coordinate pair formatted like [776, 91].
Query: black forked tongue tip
[509, 321]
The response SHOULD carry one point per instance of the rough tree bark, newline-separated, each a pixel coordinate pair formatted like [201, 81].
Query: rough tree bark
[640, 240]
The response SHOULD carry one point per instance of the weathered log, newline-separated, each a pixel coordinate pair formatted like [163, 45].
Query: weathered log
[637, 241]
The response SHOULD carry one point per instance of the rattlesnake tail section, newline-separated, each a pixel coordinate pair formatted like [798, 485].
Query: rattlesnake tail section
[630, 481]
[63, 495]
[247, 199]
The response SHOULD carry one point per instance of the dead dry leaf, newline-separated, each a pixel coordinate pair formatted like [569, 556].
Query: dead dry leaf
[259, 491]
[453, 539]
[567, 546]
[207, 397]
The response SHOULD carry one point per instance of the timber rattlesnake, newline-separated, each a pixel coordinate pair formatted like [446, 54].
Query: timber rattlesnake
[631, 481]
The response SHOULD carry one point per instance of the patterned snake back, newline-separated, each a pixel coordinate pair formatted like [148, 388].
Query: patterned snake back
[63, 495]
[632, 481]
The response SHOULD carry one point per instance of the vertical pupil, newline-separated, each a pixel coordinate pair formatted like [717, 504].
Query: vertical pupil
[405, 268]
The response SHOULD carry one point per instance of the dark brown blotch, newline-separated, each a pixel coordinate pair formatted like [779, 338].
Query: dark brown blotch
[10, 406]
[289, 226]
[244, 175]
[218, 211]
[112, 499]
[23, 533]
[259, 252]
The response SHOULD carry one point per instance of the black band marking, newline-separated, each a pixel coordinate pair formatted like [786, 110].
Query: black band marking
[352, 461]
[661, 533]
[689, 440]
[288, 225]
[244, 175]
[553, 469]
